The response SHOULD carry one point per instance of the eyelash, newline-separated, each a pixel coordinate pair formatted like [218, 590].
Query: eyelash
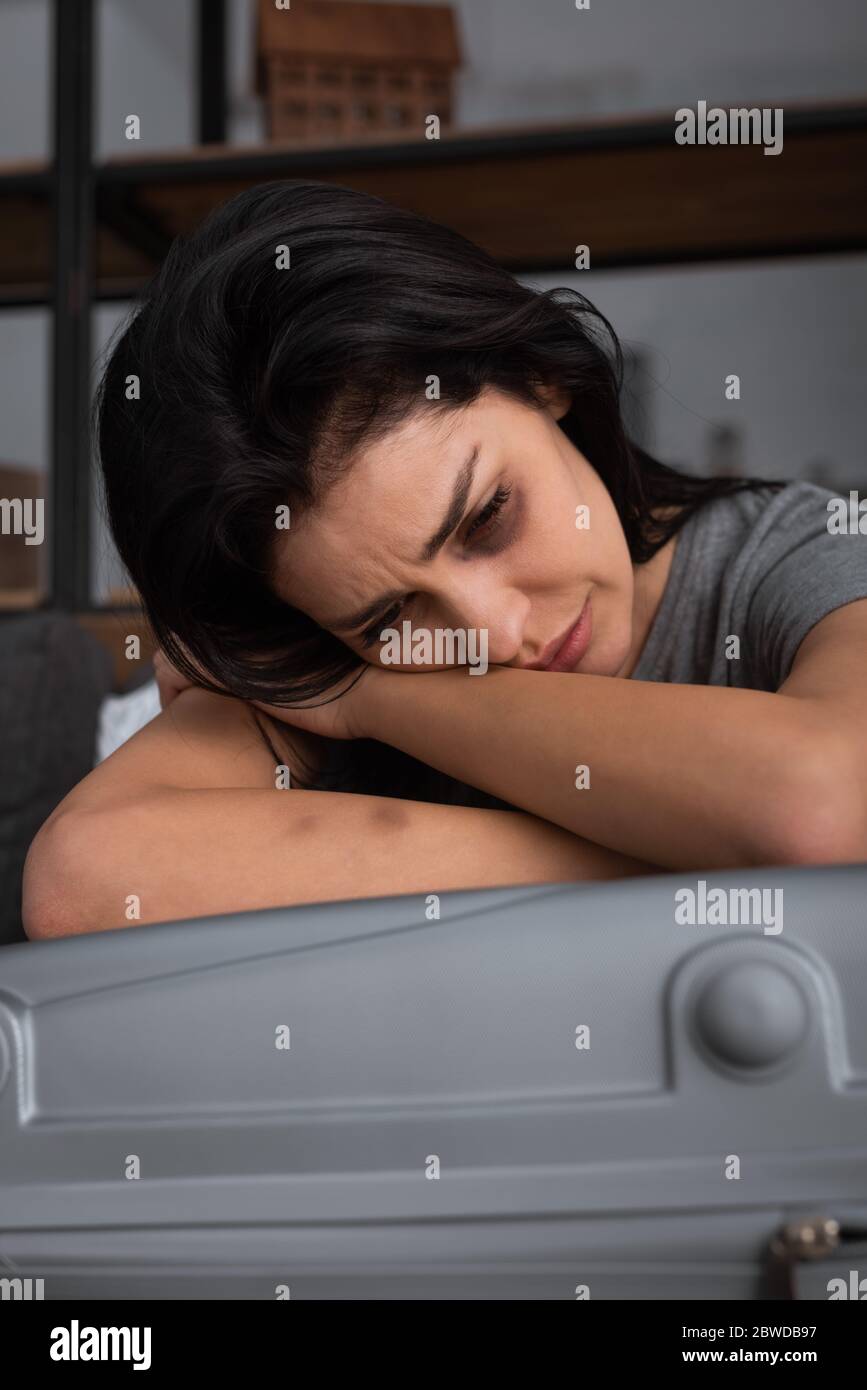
[489, 513]
[492, 509]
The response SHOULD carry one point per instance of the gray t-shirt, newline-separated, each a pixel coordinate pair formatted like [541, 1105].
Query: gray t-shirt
[759, 565]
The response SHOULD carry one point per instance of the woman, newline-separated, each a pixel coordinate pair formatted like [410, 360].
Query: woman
[333, 425]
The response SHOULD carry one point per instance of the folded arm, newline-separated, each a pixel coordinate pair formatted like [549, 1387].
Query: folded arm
[185, 820]
[681, 776]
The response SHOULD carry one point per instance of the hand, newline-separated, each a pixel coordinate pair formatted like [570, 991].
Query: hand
[339, 713]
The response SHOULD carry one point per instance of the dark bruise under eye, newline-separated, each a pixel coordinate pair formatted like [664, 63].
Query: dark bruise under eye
[481, 524]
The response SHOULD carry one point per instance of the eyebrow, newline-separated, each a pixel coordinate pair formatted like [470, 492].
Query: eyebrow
[461, 491]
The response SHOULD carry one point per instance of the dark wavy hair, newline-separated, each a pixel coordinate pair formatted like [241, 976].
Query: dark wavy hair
[255, 385]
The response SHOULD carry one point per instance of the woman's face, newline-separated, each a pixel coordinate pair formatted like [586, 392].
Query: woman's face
[468, 522]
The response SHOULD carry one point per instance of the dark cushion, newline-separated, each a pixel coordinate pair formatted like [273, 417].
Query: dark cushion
[53, 678]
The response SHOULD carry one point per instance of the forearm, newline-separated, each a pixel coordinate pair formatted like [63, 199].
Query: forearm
[680, 776]
[181, 853]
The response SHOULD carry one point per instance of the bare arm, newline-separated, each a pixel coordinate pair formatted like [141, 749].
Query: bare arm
[185, 820]
[683, 776]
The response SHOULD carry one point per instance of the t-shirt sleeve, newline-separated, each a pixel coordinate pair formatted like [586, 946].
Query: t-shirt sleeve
[805, 568]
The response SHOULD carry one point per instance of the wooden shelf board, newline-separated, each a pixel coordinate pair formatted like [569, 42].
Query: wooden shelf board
[528, 194]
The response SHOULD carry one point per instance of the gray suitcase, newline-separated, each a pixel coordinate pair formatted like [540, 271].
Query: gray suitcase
[537, 1093]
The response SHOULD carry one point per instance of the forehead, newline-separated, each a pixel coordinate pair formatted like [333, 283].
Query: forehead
[364, 536]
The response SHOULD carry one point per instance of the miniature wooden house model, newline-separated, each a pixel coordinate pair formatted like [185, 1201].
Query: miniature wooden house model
[349, 67]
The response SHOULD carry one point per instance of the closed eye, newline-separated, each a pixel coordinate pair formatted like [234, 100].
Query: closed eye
[371, 634]
[485, 524]
[489, 513]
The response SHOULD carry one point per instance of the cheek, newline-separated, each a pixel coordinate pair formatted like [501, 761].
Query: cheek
[577, 554]
[606, 548]
[549, 549]
[572, 534]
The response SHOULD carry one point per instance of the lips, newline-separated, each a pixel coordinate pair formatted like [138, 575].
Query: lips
[567, 650]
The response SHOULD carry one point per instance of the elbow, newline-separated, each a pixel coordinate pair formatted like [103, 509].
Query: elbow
[53, 896]
[817, 816]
